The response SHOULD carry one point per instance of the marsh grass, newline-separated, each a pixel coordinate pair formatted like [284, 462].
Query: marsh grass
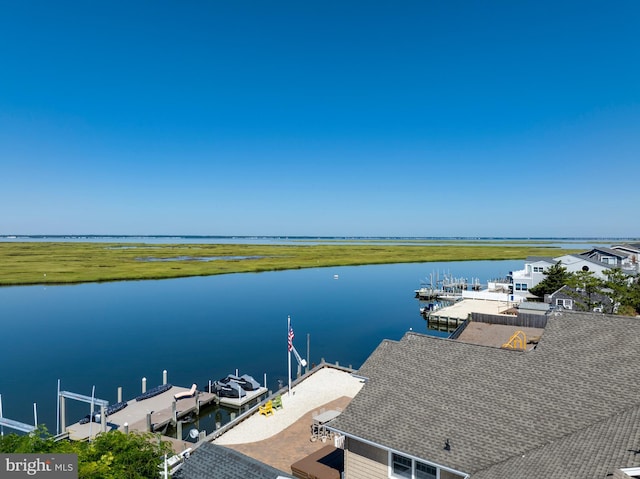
[72, 262]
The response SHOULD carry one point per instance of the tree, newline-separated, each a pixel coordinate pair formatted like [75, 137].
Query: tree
[110, 455]
[587, 282]
[555, 278]
[617, 284]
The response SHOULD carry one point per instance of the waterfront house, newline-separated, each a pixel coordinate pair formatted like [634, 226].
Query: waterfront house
[613, 258]
[579, 300]
[579, 262]
[442, 409]
[534, 271]
[632, 250]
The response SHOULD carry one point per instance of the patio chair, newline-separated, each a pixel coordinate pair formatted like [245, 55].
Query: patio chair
[186, 394]
[266, 409]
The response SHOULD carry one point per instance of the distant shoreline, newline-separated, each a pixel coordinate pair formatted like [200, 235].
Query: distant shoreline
[325, 238]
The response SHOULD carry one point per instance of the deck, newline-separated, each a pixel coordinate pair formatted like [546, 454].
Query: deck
[159, 407]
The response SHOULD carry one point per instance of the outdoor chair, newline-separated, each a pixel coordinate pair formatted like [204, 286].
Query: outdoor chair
[266, 409]
[186, 394]
[277, 402]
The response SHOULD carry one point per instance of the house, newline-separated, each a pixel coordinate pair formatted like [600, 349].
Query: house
[632, 250]
[441, 409]
[613, 258]
[596, 260]
[579, 262]
[534, 272]
[210, 460]
[578, 300]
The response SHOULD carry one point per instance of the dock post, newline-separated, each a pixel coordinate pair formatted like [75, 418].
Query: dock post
[148, 422]
[197, 402]
[174, 413]
[179, 431]
[119, 393]
[63, 413]
[164, 377]
[265, 380]
[210, 388]
[126, 427]
[103, 418]
[144, 385]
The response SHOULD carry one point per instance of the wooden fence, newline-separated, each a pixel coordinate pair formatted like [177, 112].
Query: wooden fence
[522, 320]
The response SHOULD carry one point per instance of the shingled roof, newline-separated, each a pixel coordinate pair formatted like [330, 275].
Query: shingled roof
[210, 460]
[576, 392]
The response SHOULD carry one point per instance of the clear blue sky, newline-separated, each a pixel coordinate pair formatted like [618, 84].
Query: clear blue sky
[359, 118]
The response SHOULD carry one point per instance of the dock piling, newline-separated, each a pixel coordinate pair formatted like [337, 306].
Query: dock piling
[144, 385]
[126, 427]
[148, 422]
[164, 377]
[119, 393]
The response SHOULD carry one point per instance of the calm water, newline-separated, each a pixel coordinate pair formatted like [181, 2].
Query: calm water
[113, 334]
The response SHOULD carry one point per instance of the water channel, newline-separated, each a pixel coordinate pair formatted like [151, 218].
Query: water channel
[199, 329]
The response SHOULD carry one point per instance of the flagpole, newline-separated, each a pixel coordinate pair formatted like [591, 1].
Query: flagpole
[289, 352]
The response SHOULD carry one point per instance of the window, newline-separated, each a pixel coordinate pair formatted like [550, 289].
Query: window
[521, 286]
[425, 471]
[407, 468]
[565, 303]
[401, 466]
[538, 269]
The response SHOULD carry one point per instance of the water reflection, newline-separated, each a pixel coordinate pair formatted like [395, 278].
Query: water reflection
[112, 335]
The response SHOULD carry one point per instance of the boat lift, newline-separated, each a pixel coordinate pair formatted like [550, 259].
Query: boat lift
[16, 425]
[63, 395]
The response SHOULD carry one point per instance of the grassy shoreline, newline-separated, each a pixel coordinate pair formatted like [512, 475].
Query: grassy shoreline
[30, 263]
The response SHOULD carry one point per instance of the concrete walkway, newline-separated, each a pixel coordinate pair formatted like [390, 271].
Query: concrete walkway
[322, 387]
[284, 438]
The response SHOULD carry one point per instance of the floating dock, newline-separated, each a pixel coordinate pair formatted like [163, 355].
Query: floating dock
[237, 403]
[148, 415]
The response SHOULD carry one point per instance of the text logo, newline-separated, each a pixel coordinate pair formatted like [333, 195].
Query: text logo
[46, 466]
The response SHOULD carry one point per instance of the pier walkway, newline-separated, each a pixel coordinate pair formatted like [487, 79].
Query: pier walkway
[160, 409]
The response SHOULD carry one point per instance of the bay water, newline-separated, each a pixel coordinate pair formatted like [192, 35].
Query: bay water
[106, 335]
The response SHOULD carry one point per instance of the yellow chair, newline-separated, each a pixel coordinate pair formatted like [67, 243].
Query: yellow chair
[277, 402]
[266, 409]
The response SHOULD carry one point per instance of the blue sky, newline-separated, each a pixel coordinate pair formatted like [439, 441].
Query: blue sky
[410, 118]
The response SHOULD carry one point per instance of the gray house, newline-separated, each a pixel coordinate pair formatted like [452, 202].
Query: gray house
[439, 408]
[578, 300]
[212, 461]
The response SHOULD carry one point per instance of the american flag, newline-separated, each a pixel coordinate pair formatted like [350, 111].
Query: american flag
[290, 338]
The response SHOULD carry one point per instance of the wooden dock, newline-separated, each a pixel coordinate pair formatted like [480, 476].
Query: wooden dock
[148, 415]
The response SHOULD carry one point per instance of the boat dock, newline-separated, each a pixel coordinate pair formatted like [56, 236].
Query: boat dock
[147, 415]
[237, 403]
[450, 317]
[448, 288]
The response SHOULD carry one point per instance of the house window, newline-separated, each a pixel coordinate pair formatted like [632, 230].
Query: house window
[565, 303]
[401, 466]
[425, 471]
[538, 269]
[521, 286]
